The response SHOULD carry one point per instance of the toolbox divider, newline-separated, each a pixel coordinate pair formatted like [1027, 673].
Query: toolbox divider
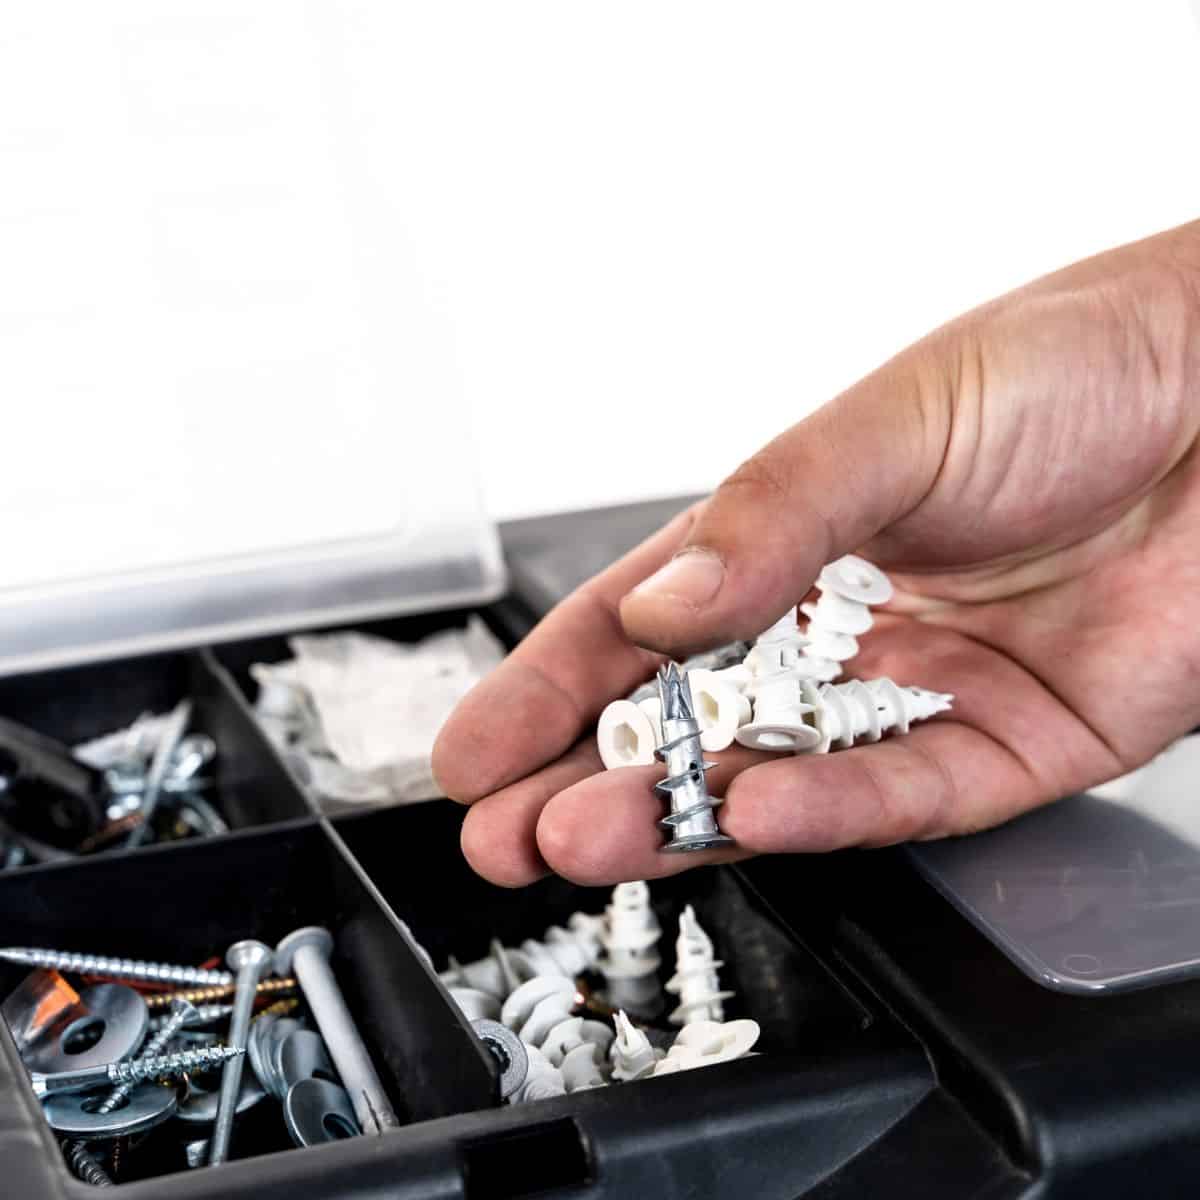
[255, 784]
[241, 726]
[430, 1043]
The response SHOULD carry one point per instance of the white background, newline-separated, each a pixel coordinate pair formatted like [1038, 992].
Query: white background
[536, 235]
[732, 211]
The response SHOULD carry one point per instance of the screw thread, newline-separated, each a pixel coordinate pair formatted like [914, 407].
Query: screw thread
[695, 981]
[214, 994]
[84, 1166]
[170, 1066]
[684, 786]
[115, 968]
[631, 1053]
[846, 713]
[690, 822]
[203, 1014]
[154, 1047]
[281, 1008]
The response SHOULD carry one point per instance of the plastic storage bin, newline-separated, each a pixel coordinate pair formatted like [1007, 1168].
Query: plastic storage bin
[833, 1072]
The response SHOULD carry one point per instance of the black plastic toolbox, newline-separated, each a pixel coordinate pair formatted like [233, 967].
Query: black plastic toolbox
[902, 1054]
[831, 1065]
[835, 1072]
[74, 704]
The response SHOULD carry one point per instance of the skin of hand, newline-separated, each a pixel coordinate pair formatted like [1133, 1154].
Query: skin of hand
[1029, 477]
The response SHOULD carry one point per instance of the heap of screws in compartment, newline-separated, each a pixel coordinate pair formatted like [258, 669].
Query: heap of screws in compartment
[173, 1039]
[143, 784]
[553, 1033]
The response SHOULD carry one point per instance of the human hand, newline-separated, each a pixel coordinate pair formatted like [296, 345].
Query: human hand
[1028, 477]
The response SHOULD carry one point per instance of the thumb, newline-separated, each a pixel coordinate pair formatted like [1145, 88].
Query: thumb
[816, 492]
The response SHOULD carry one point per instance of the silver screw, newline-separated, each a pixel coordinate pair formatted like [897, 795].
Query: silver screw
[83, 1165]
[172, 733]
[201, 1014]
[138, 1070]
[306, 952]
[181, 1014]
[251, 960]
[115, 968]
[690, 823]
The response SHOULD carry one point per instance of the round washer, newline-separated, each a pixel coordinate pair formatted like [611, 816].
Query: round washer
[149, 1104]
[303, 1056]
[273, 1048]
[200, 1108]
[256, 1041]
[316, 1111]
[112, 1025]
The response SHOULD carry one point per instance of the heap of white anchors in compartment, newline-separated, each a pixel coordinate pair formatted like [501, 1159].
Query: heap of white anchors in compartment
[782, 696]
[529, 1005]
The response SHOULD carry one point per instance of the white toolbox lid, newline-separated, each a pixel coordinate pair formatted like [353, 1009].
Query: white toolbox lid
[232, 405]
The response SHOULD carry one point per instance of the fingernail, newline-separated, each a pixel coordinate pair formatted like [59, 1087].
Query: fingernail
[693, 576]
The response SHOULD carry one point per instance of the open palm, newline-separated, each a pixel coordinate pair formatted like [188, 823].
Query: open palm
[1028, 477]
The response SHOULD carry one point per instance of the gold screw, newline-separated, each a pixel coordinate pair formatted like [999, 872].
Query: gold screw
[214, 995]
[280, 1008]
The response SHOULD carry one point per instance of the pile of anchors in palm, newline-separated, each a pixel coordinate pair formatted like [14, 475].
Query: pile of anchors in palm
[776, 695]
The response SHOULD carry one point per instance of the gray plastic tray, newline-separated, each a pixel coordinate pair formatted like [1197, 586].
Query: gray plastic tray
[1097, 893]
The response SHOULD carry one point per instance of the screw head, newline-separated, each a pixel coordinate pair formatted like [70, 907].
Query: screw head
[248, 953]
[187, 1010]
[310, 935]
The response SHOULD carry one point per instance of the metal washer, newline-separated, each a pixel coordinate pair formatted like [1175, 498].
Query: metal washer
[126, 1020]
[200, 1108]
[316, 1111]
[303, 1056]
[272, 1051]
[149, 1104]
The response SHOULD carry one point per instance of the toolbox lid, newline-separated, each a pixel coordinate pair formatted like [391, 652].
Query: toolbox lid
[232, 403]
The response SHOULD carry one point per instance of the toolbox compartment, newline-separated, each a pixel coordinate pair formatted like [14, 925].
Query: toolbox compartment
[190, 901]
[75, 704]
[833, 1073]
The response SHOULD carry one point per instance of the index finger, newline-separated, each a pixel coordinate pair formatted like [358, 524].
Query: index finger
[535, 705]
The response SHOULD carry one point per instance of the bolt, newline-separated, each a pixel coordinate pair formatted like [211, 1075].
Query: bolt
[182, 1013]
[250, 959]
[307, 951]
[690, 822]
[83, 1165]
[138, 1070]
[114, 968]
[212, 995]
